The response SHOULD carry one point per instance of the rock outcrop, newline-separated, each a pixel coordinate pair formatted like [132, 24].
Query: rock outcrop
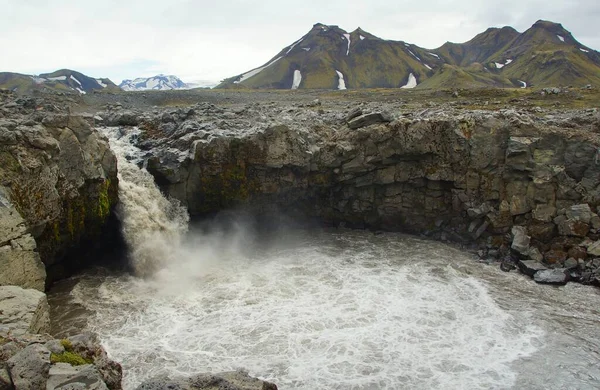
[468, 176]
[23, 311]
[58, 185]
[37, 361]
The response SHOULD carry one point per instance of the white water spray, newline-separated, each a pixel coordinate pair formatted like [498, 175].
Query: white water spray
[153, 226]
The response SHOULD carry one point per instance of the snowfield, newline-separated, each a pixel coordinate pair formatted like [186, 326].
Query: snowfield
[297, 79]
[412, 82]
[341, 82]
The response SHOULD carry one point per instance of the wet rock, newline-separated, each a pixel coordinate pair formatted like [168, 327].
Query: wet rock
[24, 311]
[369, 119]
[530, 267]
[29, 368]
[552, 276]
[63, 376]
[235, 380]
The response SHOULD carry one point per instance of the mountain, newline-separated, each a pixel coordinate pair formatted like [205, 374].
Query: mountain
[160, 83]
[328, 57]
[63, 80]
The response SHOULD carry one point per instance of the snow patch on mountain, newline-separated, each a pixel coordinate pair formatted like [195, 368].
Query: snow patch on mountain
[256, 71]
[523, 84]
[297, 79]
[361, 37]
[562, 39]
[348, 39]
[433, 54]
[583, 50]
[101, 83]
[59, 78]
[341, 81]
[427, 66]
[160, 83]
[413, 54]
[306, 48]
[77, 81]
[412, 82]
[293, 45]
[500, 65]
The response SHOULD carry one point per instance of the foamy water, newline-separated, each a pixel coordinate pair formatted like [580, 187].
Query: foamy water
[317, 309]
[333, 311]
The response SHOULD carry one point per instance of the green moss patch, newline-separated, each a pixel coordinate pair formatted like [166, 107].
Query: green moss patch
[70, 358]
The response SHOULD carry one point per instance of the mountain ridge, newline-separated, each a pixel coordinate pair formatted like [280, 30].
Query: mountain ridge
[328, 57]
[62, 80]
[159, 82]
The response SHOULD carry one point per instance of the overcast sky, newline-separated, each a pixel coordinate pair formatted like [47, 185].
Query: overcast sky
[211, 40]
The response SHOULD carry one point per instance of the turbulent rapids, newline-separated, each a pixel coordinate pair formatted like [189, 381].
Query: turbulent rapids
[333, 309]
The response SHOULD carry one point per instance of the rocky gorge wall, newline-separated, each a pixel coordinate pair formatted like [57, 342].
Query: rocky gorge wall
[58, 186]
[521, 180]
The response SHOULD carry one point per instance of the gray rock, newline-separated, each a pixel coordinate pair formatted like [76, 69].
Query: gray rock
[580, 212]
[535, 254]
[234, 380]
[20, 263]
[5, 379]
[353, 114]
[552, 276]
[594, 248]
[530, 267]
[571, 263]
[369, 119]
[29, 368]
[521, 240]
[24, 311]
[55, 346]
[544, 212]
[63, 376]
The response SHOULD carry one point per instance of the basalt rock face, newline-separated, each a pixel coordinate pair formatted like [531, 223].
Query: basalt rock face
[58, 184]
[464, 176]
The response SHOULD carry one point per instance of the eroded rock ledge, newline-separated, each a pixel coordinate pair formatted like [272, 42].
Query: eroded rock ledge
[469, 176]
[58, 185]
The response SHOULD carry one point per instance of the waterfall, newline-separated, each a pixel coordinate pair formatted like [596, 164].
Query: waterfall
[153, 225]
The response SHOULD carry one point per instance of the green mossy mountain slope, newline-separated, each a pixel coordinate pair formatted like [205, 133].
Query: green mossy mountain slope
[544, 55]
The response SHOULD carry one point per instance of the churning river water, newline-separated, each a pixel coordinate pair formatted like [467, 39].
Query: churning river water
[322, 309]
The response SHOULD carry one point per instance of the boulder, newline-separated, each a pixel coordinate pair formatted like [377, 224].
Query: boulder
[63, 376]
[29, 367]
[520, 240]
[369, 119]
[23, 311]
[552, 276]
[530, 267]
[234, 380]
